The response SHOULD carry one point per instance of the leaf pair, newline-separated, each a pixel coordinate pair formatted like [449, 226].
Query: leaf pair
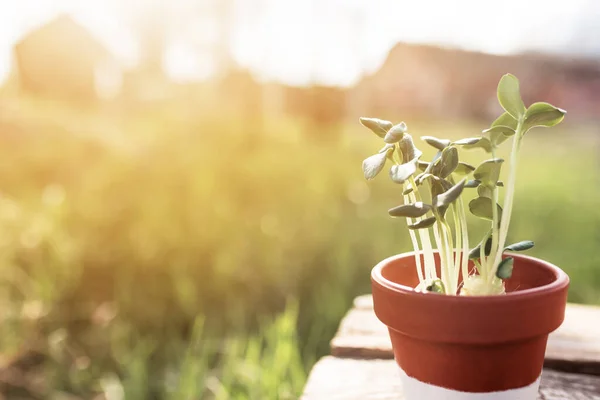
[519, 246]
[505, 268]
[538, 114]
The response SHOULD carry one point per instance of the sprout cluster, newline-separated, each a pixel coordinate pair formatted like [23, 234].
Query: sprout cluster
[433, 206]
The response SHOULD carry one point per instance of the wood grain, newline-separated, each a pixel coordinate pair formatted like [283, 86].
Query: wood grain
[574, 347]
[354, 379]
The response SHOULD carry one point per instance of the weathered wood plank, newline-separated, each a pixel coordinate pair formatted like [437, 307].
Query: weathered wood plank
[351, 379]
[575, 346]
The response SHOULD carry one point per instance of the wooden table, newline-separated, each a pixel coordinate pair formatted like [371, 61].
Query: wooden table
[361, 365]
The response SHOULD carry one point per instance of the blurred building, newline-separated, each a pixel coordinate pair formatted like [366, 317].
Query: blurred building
[63, 60]
[451, 83]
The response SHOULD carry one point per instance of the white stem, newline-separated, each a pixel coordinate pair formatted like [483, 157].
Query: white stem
[430, 272]
[415, 242]
[465, 239]
[440, 246]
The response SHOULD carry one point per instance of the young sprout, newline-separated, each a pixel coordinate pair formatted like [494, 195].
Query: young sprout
[444, 179]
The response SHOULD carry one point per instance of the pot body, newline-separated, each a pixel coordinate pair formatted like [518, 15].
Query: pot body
[470, 348]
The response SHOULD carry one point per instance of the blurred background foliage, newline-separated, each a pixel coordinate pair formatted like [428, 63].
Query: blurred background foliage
[203, 240]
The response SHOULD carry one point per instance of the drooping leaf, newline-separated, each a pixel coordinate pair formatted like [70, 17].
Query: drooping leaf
[509, 96]
[439, 144]
[476, 252]
[473, 183]
[488, 172]
[389, 150]
[482, 207]
[464, 169]
[401, 173]
[436, 286]
[483, 143]
[447, 163]
[543, 115]
[373, 165]
[434, 161]
[407, 149]
[438, 187]
[450, 195]
[506, 120]
[425, 223]
[499, 133]
[520, 246]
[415, 210]
[505, 268]
[396, 133]
[507, 130]
[379, 126]
[467, 141]
[484, 191]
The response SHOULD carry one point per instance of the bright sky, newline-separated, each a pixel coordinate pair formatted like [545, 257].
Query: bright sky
[329, 41]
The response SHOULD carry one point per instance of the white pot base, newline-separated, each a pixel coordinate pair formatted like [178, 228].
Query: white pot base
[417, 390]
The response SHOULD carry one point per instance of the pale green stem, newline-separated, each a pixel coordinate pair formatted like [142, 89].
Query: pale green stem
[508, 196]
[458, 250]
[447, 256]
[494, 250]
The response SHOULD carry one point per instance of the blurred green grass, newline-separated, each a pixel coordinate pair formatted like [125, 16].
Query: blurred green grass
[187, 258]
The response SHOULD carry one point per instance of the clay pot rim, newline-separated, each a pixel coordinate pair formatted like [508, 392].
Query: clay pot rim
[560, 283]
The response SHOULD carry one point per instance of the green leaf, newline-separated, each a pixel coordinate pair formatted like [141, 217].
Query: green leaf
[408, 190]
[395, 133]
[407, 149]
[401, 173]
[506, 120]
[484, 191]
[425, 223]
[450, 195]
[542, 114]
[488, 172]
[439, 144]
[467, 141]
[499, 133]
[476, 252]
[473, 183]
[415, 210]
[505, 268]
[373, 165]
[521, 246]
[436, 286]
[509, 96]
[483, 143]
[447, 163]
[379, 126]
[482, 207]
[464, 169]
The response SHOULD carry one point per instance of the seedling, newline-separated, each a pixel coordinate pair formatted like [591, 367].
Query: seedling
[443, 180]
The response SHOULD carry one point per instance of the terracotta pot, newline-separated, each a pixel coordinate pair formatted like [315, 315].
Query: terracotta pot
[470, 348]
